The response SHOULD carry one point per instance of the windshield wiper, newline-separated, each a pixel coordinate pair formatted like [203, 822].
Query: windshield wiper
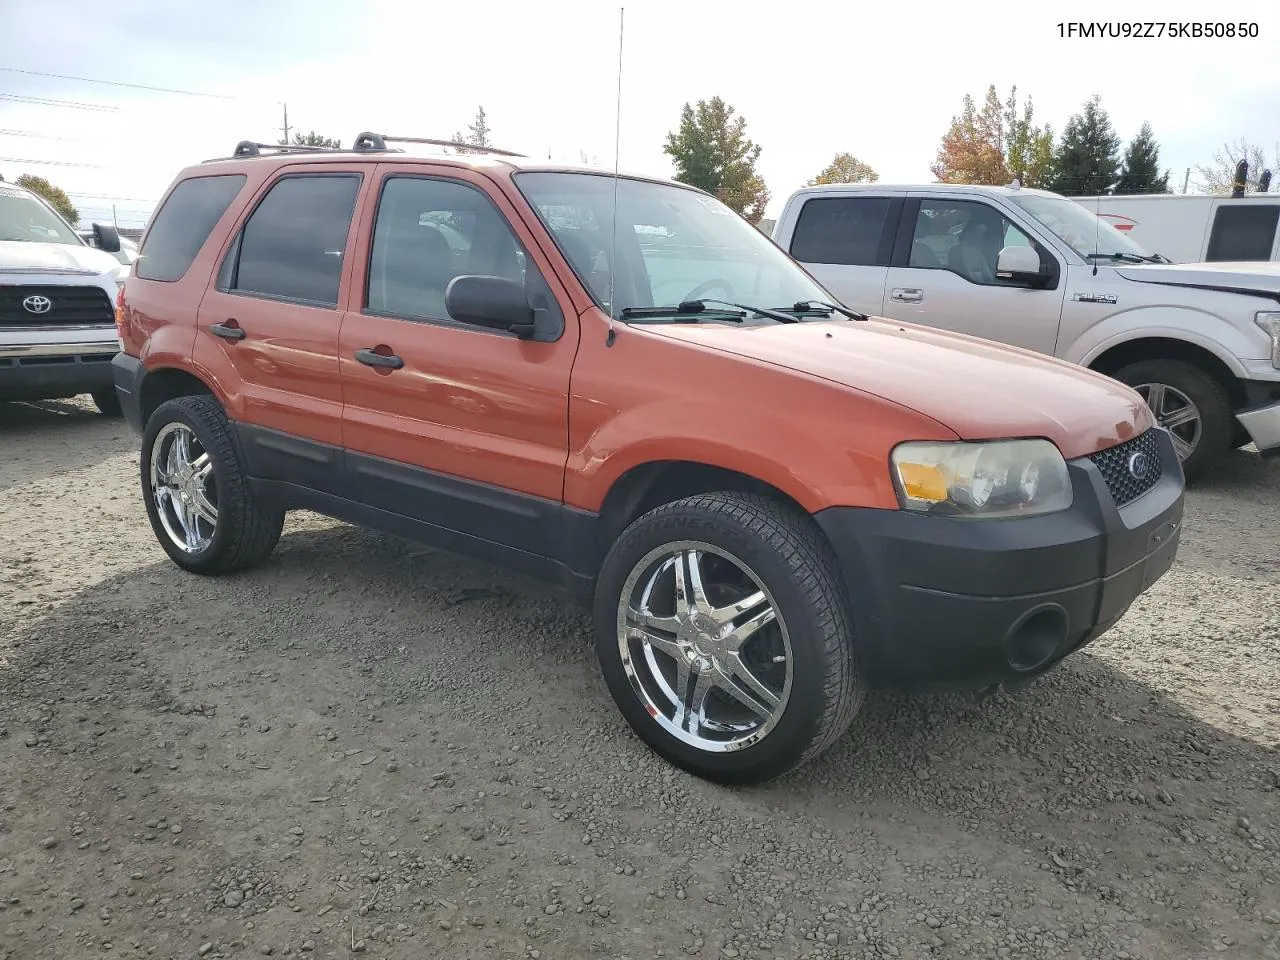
[693, 308]
[1124, 257]
[802, 306]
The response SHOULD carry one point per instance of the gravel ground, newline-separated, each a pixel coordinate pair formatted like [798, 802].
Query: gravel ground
[369, 749]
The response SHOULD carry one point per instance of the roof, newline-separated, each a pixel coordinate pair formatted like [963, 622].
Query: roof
[976, 188]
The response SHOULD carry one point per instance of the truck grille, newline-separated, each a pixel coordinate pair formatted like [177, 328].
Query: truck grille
[1114, 464]
[68, 306]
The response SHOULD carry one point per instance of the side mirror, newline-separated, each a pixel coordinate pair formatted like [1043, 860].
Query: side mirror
[493, 302]
[1020, 264]
[108, 237]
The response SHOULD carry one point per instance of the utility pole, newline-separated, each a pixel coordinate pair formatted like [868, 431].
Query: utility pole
[285, 128]
[1186, 180]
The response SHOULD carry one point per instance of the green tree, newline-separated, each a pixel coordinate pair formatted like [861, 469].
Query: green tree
[711, 151]
[1140, 170]
[311, 139]
[1087, 160]
[1028, 148]
[55, 195]
[477, 134]
[973, 148]
[845, 168]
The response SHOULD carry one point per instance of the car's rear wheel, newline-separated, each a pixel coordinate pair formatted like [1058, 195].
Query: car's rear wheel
[724, 637]
[197, 496]
[107, 401]
[1190, 404]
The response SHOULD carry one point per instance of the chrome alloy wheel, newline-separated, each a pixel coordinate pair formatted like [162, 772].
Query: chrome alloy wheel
[1174, 411]
[184, 488]
[704, 647]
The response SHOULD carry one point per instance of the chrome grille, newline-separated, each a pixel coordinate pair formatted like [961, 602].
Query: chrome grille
[1114, 464]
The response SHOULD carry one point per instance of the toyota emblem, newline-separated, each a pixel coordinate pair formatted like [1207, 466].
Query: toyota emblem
[37, 304]
[1139, 466]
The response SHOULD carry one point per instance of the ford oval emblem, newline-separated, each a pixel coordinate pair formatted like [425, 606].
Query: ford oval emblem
[1139, 466]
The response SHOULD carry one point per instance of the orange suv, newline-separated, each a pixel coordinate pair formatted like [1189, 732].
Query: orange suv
[620, 385]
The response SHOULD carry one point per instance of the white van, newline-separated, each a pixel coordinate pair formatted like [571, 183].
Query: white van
[57, 304]
[1191, 228]
[1200, 342]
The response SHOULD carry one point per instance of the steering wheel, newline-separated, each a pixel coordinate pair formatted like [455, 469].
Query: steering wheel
[701, 289]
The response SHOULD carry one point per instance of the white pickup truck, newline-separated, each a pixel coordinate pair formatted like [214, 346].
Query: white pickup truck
[1199, 341]
[57, 304]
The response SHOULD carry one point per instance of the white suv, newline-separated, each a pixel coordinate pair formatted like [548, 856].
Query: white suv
[57, 304]
[1200, 342]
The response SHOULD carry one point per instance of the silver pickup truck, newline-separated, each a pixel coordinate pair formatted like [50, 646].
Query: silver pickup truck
[1029, 268]
[57, 304]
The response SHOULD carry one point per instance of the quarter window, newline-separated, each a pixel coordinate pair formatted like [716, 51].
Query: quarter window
[1243, 232]
[292, 246]
[183, 224]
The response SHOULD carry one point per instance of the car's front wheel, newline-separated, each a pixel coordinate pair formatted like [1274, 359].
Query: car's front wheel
[724, 638]
[197, 495]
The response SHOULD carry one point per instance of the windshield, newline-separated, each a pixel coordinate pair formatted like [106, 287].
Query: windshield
[673, 244]
[22, 217]
[1085, 232]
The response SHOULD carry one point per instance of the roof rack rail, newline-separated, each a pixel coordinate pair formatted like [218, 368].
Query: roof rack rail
[250, 148]
[378, 141]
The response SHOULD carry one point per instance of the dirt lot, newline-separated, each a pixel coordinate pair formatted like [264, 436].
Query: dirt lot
[369, 749]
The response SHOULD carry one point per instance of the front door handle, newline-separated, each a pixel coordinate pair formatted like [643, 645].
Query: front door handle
[227, 331]
[906, 294]
[371, 358]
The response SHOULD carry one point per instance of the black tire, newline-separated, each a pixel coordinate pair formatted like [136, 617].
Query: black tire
[246, 531]
[108, 402]
[1218, 424]
[793, 562]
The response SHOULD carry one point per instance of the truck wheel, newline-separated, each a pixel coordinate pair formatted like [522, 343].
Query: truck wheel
[107, 401]
[1190, 404]
[723, 635]
[197, 497]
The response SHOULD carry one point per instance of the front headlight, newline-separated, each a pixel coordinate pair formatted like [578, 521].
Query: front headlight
[993, 478]
[1269, 321]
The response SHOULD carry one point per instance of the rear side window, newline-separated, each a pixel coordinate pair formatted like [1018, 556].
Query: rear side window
[842, 230]
[183, 223]
[292, 246]
[1243, 232]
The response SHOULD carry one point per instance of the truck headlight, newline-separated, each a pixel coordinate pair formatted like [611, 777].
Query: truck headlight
[1269, 321]
[992, 478]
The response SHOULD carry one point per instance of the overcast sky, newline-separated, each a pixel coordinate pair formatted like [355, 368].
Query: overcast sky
[811, 79]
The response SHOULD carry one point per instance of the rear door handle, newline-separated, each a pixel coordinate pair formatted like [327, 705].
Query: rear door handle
[371, 358]
[906, 294]
[227, 331]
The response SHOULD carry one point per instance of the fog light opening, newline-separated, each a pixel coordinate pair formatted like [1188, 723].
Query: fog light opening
[1035, 638]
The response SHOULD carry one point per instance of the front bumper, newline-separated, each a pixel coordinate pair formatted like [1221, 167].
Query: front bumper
[944, 603]
[54, 371]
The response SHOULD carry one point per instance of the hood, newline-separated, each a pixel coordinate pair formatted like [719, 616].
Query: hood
[977, 388]
[1250, 277]
[25, 256]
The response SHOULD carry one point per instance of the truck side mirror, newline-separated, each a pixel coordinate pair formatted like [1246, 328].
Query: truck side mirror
[1019, 264]
[108, 237]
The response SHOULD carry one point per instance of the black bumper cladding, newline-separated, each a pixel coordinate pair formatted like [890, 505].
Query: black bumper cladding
[945, 603]
[127, 372]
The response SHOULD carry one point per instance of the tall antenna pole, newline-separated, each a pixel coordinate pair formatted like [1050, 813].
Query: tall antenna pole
[617, 139]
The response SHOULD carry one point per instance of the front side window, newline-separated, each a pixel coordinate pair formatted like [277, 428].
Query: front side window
[964, 237]
[293, 244]
[23, 217]
[182, 225]
[671, 245]
[842, 230]
[430, 230]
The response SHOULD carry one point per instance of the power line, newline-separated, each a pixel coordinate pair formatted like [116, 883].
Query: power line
[49, 102]
[45, 136]
[104, 196]
[119, 83]
[52, 163]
